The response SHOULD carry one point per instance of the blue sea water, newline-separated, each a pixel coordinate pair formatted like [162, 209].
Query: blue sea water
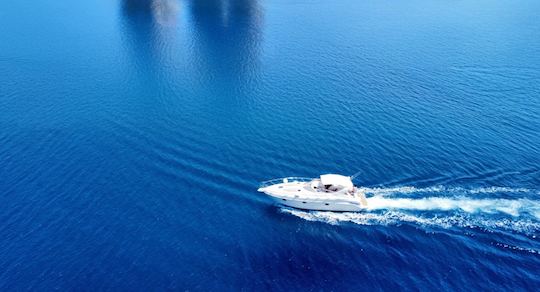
[134, 134]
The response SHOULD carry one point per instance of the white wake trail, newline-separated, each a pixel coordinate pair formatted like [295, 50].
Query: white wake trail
[469, 205]
[404, 190]
[390, 206]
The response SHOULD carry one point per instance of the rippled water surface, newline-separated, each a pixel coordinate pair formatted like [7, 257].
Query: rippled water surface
[133, 136]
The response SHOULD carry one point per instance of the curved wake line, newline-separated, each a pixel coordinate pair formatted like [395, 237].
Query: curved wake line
[396, 217]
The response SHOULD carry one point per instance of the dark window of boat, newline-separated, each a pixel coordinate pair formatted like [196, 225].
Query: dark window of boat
[326, 204]
[284, 199]
[303, 202]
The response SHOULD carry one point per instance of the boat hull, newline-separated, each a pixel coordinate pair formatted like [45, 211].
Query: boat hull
[319, 205]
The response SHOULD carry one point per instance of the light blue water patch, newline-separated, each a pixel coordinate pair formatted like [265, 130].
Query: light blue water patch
[134, 134]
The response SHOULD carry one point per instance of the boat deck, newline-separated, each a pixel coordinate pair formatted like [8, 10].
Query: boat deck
[301, 188]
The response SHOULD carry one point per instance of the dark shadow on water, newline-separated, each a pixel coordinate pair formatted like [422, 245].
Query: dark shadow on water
[227, 37]
[223, 38]
[146, 27]
[162, 12]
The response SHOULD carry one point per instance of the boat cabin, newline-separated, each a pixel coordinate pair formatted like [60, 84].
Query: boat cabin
[333, 183]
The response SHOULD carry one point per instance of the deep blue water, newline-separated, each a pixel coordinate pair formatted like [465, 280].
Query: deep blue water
[133, 136]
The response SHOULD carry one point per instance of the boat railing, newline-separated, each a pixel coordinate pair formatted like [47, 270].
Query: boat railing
[284, 180]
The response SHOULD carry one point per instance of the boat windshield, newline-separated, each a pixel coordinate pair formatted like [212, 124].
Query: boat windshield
[336, 182]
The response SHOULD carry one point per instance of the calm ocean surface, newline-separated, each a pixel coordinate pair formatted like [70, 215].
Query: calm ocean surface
[134, 134]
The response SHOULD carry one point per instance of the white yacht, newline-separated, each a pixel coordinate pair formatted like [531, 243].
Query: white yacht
[329, 192]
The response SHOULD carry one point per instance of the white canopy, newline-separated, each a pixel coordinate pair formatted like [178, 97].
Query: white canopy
[337, 180]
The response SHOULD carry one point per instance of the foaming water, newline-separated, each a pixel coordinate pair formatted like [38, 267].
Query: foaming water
[526, 226]
[511, 207]
[520, 215]
[401, 190]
